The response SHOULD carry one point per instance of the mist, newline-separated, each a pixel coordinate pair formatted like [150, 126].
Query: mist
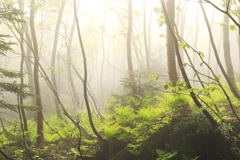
[85, 60]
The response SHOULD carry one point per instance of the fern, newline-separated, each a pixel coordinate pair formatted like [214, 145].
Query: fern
[163, 155]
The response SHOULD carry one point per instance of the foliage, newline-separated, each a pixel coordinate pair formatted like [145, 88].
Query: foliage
[61, 137]
[146, 89]
[163, 155]
[8, 13]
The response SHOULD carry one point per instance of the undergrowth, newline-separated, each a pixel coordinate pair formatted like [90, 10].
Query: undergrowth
[159, 126]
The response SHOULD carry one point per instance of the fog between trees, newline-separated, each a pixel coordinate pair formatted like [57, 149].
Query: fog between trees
[120, 40]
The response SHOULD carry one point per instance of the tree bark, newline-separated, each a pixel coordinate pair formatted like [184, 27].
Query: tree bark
[145, 38]
[85, 77]
[227, 55]
[76, 99]
[129, 44]
[40, 137]
[53, 63]
[21, 40]
[171, 61]
[193, 95]
[231, 86]
[196, 42]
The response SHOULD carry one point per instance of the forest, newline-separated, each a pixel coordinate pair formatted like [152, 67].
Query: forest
[120, 80]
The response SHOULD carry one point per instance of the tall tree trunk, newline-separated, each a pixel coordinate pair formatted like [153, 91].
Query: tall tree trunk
[182, 27]
[145, 38]
[76, 99]
[209, 46]
[29, 68]
[129, 44]
[103, 57]
[150, 37]
[227, 55]
[196, 42]
[53, 63]
[171, 61]
[86, 78]
[22, 82]
[193, 95]
[234, 90]
[40, 137]
[27, 58]
[21, 69]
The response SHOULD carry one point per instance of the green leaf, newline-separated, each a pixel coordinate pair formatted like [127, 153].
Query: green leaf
[160, 23]
[232, 27]
[165, 86]
[201, 55]
[162, 35]
[184, 65]
[201, 63]
[181, 45]
[154, 75]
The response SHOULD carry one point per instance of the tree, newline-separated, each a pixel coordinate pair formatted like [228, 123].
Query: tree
[180, 63]
[145, 38]
[40, 137]
[129, 49]
[85, 77]
[171, 62]
[227, 55]
[12, 15]
[54, 50]
[75, 97]
[231, 86]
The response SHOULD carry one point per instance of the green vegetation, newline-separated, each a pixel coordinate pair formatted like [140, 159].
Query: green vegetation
[145, 119]
[163, 126]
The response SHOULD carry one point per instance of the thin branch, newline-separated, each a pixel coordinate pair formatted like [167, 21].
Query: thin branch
[21, 124]
[225, 12]
[85, 77]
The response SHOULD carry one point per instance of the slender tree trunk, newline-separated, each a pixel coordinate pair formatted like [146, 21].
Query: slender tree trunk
[22, 82]
[76, 98]
[29, 68]
[193, 95]
[231, 86]
[227, 55]
[27, 59]
[145, 38]
[182, 27]
[129, 44]
[53, 63]
[171, 61]
[209, 46]
[40, 137]
[21, 70]
[85, 78]
[196, 42]
[150, 38]
[103, 57]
